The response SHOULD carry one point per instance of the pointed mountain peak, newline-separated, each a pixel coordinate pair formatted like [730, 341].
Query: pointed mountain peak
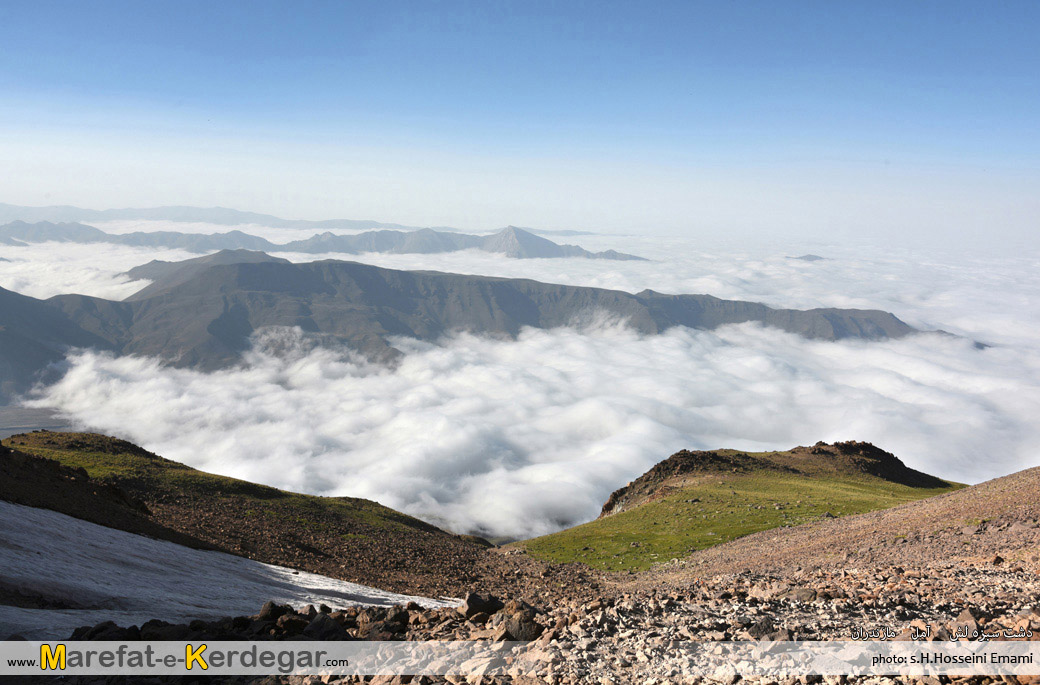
[515, 231]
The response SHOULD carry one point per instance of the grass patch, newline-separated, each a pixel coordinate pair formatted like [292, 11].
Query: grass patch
[714, 511]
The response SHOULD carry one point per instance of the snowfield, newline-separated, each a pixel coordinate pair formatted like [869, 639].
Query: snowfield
[87, 574]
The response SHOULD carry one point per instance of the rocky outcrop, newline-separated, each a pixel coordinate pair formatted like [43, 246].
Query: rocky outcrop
[864, 457]
[682, 463]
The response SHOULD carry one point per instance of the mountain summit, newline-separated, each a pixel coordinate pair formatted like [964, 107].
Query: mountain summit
[166, 275]
[521, 244]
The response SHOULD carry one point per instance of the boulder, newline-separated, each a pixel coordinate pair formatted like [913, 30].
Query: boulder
[323, 627]
[800, 594]
[761, 629]
[474, 604]
[272, 612]
[520, 621]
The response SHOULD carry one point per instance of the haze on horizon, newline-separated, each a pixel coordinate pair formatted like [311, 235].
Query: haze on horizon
[875, 123]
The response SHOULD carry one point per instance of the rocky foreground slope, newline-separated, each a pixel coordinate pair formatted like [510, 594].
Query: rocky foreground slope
[632, 637]
[968, 557]
[627, 631]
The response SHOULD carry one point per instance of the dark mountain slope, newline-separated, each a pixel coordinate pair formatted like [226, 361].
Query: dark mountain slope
[201, 314]
[33, 335]
[48, 484]
[120, 485]
[706, 311]
[206, 322]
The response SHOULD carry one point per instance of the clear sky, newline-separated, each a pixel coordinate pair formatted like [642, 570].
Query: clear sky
[815, 118]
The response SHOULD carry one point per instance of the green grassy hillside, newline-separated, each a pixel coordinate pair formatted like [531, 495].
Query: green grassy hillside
[153, 478]
[707, 498]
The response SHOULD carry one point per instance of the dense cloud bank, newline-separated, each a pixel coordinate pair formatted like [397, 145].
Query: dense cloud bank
[521, 438]
[47, 269]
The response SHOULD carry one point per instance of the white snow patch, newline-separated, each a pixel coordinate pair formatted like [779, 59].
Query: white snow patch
[117, 576]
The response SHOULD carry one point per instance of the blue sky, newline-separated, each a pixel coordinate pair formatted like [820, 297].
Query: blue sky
[559, 114]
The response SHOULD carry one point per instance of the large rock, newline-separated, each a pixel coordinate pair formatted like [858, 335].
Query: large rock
[324, 627]
[272, 612]
[800, 594]
[474, 604]
[520, 621]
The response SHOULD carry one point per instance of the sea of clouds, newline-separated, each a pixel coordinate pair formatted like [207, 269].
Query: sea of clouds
[518, 438]
[47, 269]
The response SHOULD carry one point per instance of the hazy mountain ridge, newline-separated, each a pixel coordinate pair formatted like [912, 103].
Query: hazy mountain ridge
[221, 216]
[511, 241]
[201, 313]
[210, 215]
[20, 232]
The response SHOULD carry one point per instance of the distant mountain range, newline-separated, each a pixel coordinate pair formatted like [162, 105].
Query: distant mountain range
[200, 313]
[208, 215]
[511, 241]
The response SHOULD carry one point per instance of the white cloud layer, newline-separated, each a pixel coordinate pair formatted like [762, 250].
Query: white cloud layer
[47, 269]
[522, 438]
